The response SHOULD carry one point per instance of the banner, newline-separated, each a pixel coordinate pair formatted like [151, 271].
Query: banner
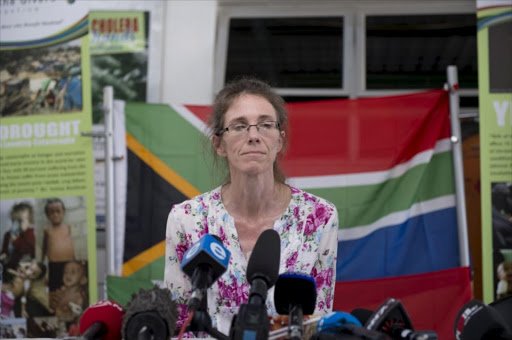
[119, 58]
[495, 107]
[386, 163]
[47, 221]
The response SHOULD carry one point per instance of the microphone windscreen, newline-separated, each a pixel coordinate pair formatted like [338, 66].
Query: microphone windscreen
[265, 257]
[295, 289]
[107, 312]
[333, 321]
[153, 309]
[477, 321]
[362, 314]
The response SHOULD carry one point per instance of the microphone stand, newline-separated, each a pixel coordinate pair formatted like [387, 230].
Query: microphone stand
[202, 322]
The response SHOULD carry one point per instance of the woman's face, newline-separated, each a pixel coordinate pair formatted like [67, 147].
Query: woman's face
[251, 152]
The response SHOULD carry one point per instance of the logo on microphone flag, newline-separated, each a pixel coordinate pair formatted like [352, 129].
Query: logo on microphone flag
[386, 163]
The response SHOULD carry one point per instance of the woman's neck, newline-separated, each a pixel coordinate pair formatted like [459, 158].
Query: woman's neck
[254, 196]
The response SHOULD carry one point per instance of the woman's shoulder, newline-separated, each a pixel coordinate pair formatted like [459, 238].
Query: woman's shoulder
[309, 200]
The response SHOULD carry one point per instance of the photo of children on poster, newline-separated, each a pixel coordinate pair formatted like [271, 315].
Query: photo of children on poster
[45, 271]
[502, 237]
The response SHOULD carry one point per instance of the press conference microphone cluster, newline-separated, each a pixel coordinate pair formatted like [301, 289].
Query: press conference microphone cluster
[478, 321]
[252, 321]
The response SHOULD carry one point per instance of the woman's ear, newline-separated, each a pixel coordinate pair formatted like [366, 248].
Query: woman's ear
[217, 145]
[281, 140]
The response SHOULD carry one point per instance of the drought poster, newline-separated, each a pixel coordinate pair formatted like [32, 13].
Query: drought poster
[47, 220]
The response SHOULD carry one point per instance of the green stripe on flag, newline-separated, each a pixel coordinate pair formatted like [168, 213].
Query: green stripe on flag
[174, 140]
[362, 205]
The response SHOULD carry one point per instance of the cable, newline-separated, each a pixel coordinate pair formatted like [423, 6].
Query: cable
[185, 324]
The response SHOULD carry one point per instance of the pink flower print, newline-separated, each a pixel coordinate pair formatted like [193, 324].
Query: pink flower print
[319, 278]
[223, 237]
[216, 196]
[203, 231]
[294, 190]
[182, 315]
[290, 262]
[182, 247]
[233, 295]
[322, 214]
[296, 211]
[187, 208]
[205, 223]
[309, 197]
[329, 299]
[327, 275]
[321, 305]
[310, 225]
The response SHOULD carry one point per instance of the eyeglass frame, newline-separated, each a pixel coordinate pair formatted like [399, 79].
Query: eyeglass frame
[222, 131]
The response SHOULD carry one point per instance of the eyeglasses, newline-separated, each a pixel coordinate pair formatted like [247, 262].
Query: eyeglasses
[238, 129]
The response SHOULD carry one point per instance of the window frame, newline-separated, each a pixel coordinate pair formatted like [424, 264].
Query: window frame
[354, 36]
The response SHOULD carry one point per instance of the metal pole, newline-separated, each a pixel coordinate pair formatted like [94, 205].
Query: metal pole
[453, 87]
[108, 104]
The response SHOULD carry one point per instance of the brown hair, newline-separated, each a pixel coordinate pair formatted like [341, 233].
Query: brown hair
[252, 86]
[20, 207]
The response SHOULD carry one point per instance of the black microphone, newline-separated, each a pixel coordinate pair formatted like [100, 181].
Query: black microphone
[504, 307]
[150, 314]
[478, 321]
[263, 266]
[252, 321]
[392, 319]
[204, 263]
[295, 295]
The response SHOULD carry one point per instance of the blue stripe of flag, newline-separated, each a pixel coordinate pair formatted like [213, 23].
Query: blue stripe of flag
[425, 243]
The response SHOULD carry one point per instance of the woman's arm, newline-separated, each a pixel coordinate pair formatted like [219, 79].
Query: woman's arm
[176, 243]
[324, 269]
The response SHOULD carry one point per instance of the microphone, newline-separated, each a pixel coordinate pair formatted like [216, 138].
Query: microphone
[263, 266]
[204, 263]
[332, 321]
[102, 320]
[341, 325]
[478, 321]
[262, 271]
[392, 319]
[150, 314]
[295, 295]
[503, 306]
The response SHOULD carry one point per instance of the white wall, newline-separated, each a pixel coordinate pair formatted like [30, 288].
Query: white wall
[187, 52]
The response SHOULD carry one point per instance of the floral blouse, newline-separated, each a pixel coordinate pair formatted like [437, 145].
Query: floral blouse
[308, 230]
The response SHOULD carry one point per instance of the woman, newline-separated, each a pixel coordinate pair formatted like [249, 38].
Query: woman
[249, 123]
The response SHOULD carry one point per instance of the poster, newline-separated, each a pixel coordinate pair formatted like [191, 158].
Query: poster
[47, 220]
[495, 106]
[119, 56]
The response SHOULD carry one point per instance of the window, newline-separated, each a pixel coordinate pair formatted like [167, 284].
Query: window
[413, 51]
[305, 52]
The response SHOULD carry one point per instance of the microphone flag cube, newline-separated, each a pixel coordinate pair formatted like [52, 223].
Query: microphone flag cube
[207, 250]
